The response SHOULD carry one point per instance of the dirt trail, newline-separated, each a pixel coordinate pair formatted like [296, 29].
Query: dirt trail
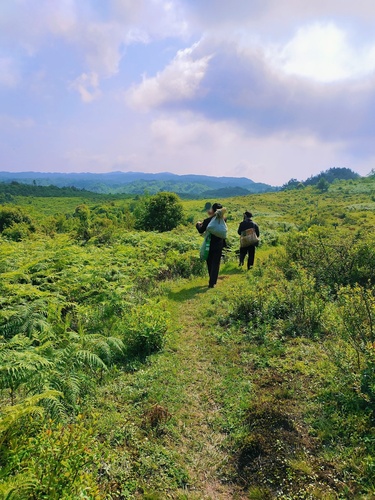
[204, 365]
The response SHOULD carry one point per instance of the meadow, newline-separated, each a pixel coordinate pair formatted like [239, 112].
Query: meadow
[122, 376]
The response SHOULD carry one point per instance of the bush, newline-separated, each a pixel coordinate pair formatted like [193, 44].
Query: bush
[270, 237]
[57, 463]
[162, 212]
[322, 185]
[305, 306]
[10, 216]
[184, 266]
[294, 307]
[356, 325]
[82, 213]
[333, 259]
[145, 330]
[17, 232]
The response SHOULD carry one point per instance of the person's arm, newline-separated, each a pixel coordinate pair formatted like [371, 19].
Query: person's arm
[202, 226]
[240, 230]
[257, 230]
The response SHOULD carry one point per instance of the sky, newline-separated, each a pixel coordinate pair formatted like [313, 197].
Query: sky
[266, 89]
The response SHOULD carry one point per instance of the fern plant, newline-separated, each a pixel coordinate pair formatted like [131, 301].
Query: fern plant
[11, 417]
[19, 362]
[18, 487]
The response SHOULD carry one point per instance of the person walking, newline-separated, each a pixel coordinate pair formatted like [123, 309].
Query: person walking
[216, 246]
[249, 232]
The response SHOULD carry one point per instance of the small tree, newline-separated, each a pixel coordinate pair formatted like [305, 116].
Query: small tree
[10, 216]
[322, 185]
[162, 212]
[291, 184]
[82, 213]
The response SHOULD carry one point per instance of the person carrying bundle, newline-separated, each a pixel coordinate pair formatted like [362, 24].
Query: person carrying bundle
[215, 230]
[249, 233]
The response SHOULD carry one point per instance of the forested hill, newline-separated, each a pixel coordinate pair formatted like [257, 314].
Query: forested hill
[139, 183]
[324, 178]
[11, 189]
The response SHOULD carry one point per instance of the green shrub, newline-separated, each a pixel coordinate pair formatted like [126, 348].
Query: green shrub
[334, 259]
[10, 216]
[356, 313]
[294, 307]
[162, 212]
[270, 237]
[83, 214]
[304, 304]
[322, 185]
[59, 462]
[17, 231]
[184, 265]
[145, 330]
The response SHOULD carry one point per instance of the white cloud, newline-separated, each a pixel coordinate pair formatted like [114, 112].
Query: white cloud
[242, 86]
[254, 91]
[88, 86]
[25, 24]
[179, 81]
[323, 52]
[101, 44]
[189, 131]
[189, 143]
[273, 18]
[98, 32]
[289, 11]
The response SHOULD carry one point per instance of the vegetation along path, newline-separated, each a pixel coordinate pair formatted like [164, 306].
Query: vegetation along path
[221, 413]
[189, 399]
[124, 377]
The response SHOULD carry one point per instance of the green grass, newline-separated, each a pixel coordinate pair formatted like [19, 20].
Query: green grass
[254, 393]
[203, 388]
[238, 419]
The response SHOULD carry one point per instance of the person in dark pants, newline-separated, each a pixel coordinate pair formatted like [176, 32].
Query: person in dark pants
[247, 223]
[216, 246]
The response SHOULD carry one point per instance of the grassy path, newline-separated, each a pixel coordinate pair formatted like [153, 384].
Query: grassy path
[185, 402]
[212, 378]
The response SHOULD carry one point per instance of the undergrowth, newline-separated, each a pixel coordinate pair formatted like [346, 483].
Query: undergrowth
[121, 376]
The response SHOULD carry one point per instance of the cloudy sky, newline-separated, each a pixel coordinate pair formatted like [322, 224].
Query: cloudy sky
[268, 89]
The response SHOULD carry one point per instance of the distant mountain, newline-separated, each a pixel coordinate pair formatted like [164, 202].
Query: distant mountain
[139, 183]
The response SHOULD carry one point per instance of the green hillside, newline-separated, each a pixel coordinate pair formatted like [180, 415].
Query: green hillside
[324, 178]
[123, 377]
[138, 183]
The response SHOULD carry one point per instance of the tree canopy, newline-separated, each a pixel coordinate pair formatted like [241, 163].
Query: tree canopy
[161, 212]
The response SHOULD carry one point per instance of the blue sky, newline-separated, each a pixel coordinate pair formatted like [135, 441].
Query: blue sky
[268, 89]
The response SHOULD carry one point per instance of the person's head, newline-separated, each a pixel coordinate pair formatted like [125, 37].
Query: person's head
[247, 215]
[214, 208]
